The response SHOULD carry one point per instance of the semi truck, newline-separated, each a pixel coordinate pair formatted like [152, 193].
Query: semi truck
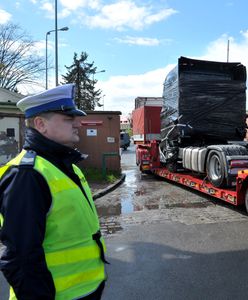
[146, 124]
[202, 125]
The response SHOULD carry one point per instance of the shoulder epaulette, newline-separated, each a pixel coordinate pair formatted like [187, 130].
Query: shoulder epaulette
[28, 158]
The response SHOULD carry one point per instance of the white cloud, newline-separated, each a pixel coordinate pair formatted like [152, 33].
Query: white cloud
[120, 15]
[126, 14]
[94, 4]
[68, 7]
[64, 13]
[32, 88]
[74, 4]
[121, 91]
[48, 8]
[140, 41]
[164, 14]
[4, 16]
[217, 50]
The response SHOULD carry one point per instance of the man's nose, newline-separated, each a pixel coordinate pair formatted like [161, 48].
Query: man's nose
[77, 122]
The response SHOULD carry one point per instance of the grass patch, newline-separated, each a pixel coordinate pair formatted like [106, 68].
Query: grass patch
[95, 175]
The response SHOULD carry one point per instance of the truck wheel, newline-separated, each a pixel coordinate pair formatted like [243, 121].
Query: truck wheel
[216, 169]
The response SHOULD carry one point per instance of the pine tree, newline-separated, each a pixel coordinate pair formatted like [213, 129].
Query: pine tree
[80, 73]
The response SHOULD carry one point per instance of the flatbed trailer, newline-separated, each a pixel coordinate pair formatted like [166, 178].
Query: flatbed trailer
[147, 160]
[235, 197]
[202, 128]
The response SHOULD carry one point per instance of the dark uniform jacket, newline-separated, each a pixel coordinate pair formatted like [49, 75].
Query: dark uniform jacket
[24, 202]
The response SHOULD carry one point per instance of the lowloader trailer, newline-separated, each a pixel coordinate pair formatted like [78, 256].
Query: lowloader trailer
[202, 124]
[146, 159]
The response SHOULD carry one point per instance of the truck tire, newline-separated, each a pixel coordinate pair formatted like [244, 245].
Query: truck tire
[216, 169]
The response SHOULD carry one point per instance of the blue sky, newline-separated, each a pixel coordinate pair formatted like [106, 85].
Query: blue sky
[136, 41]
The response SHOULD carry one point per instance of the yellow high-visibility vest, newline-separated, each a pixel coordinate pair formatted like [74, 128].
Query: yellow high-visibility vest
[72, 256]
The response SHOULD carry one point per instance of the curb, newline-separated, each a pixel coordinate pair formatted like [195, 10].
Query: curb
[110, 188]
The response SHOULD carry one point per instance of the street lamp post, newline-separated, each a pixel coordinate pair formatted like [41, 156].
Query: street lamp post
[48, 33]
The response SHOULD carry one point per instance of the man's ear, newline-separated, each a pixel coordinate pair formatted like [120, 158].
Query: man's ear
[40, 124]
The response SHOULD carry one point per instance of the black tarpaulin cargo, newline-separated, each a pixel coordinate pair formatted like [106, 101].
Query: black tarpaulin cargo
[209, 96]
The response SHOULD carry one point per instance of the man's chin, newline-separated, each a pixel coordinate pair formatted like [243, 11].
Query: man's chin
[76, 140]
[72, 143]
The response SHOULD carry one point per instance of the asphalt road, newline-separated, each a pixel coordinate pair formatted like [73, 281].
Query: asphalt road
[178, 262]
[167, 242]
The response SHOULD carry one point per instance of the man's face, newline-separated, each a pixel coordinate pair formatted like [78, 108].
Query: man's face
[61, 128]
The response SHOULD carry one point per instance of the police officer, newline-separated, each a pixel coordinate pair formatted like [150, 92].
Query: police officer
[50, 229]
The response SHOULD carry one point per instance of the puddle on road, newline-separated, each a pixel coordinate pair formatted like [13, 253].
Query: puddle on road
[109, 224]
[135, 195]
[127, 206]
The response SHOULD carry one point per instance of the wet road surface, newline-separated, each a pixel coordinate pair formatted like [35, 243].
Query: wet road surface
[148, 199]
[167, 242]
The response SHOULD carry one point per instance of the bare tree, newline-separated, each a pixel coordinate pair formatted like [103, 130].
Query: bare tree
[19, 64]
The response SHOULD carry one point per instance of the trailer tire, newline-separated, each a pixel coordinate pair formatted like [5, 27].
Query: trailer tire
[216, 169]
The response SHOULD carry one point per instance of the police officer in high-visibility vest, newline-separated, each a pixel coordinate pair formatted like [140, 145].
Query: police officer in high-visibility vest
[49, 224]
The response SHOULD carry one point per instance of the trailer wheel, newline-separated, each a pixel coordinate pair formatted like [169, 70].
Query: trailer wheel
[215, 169]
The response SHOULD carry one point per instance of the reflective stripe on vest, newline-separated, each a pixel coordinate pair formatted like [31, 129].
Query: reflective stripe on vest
[72, 255]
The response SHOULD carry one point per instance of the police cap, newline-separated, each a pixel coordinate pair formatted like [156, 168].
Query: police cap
[59, 99]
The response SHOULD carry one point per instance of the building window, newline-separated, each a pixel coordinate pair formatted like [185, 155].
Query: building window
[10, 132]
